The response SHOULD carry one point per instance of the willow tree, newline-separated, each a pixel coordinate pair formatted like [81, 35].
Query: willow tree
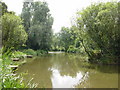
[38, 24]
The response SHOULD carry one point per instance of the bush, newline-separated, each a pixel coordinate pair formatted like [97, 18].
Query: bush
[41, 52]
[30, 52]
[17, 54]
[72, 49]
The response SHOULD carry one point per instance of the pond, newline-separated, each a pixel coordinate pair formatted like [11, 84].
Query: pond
[63, 70]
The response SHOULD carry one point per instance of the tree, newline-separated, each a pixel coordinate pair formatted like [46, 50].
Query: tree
[38, 24]
[56, 43]
[13, 33]
[98, 25]
[26, 14]
[68, 37]
[3, 8]
[65, 38]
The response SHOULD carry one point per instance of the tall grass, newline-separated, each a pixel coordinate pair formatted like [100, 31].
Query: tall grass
[7, 78]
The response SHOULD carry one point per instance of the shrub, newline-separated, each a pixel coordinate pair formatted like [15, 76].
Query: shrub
[41, 52]
[17, 54]
[30, 52]
[72, 49]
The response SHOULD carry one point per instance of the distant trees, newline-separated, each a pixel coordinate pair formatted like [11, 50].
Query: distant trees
[97, 30]
[56, 42]
[38, 24]
[66, 38]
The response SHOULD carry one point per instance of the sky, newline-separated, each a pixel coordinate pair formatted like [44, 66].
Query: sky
[63, 11]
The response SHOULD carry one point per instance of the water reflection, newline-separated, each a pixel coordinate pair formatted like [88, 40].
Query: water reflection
[61, 70]
[66, 81]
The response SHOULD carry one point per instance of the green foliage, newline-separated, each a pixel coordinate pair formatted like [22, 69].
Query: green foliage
[96, 33]
[3, 8]
[7, 78]
[67, 40]
[13, 33]
[0, 51]
[55, 42]
[98, 29]
[12, 82]
[29, 52]
[71, 49]
[0, 70]
[38, 24]
[41, 52]
[35, 53]
[18, 54]
[68, 37]
[0, 38]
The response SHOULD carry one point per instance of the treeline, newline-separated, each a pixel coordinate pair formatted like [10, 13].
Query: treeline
[96, 32]
[31, 30]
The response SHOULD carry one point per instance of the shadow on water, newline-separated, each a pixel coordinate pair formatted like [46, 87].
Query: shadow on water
[103, 68]
[107, 68]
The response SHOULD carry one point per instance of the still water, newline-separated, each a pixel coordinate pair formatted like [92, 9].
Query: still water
[61, 70]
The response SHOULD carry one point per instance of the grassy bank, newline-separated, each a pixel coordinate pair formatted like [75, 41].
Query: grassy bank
[8, 78]
[23, 53]
[19, 57]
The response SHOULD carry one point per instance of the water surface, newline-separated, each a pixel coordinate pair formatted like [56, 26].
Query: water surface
[61, 70]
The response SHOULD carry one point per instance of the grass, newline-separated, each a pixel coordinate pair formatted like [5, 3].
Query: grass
[7, 78]
[11, 81]
[22, 55]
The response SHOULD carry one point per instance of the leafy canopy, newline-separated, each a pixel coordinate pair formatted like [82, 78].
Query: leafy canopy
[13, 33]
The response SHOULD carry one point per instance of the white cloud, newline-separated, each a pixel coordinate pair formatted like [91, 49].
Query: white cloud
[61, 10]
[14, 5]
